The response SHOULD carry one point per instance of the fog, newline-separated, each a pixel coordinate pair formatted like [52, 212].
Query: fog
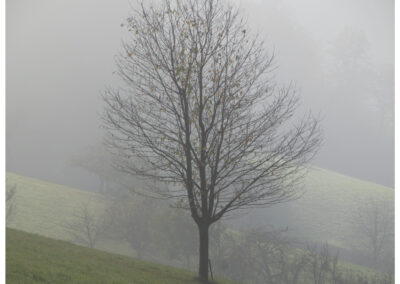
[60, 57]
[339, 55]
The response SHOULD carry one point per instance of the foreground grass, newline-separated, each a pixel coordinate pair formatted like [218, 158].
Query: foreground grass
[34, 259]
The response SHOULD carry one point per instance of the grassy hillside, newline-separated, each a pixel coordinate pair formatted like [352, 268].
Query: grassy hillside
[34, 259]
[332, 200]
[41, 206]
[327, 209]
[44, 208]
[325, 212]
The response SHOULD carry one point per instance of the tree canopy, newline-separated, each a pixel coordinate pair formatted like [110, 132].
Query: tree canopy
[201, 111]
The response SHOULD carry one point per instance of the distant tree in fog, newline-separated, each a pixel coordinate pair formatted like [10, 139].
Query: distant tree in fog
[132, 221]
[275, 260]
[374, 225]
[87, 226]
[201, 112]
[178, 236]
[95, 160]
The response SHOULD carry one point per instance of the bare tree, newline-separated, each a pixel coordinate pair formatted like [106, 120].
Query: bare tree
[201, 112]
[132, 223]
[95, 160]
[87, 225]
[275, 259]
[10, 202]
[323, 265]
[374, 224]
[178, 236]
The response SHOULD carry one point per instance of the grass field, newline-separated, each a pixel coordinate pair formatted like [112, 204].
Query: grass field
[44, 208]
[35, 259]
[326, 211]
[323, 213]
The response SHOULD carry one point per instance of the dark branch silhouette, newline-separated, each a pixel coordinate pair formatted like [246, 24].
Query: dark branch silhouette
[200, 111]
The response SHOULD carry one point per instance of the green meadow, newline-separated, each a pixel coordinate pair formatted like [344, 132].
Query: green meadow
[35, 259]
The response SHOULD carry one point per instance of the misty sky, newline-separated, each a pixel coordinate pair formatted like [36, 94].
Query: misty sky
[60, 57]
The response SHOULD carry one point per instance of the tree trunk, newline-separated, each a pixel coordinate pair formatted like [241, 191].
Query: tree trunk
[203, 252]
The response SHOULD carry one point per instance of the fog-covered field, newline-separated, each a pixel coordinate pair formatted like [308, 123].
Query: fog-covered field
[250, 141]
[48, 209]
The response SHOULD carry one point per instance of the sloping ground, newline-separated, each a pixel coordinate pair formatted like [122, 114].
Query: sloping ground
[34, 259]
[41, 206]
[44, 208]
[323, 213]
[326, 211]
[332, 201]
